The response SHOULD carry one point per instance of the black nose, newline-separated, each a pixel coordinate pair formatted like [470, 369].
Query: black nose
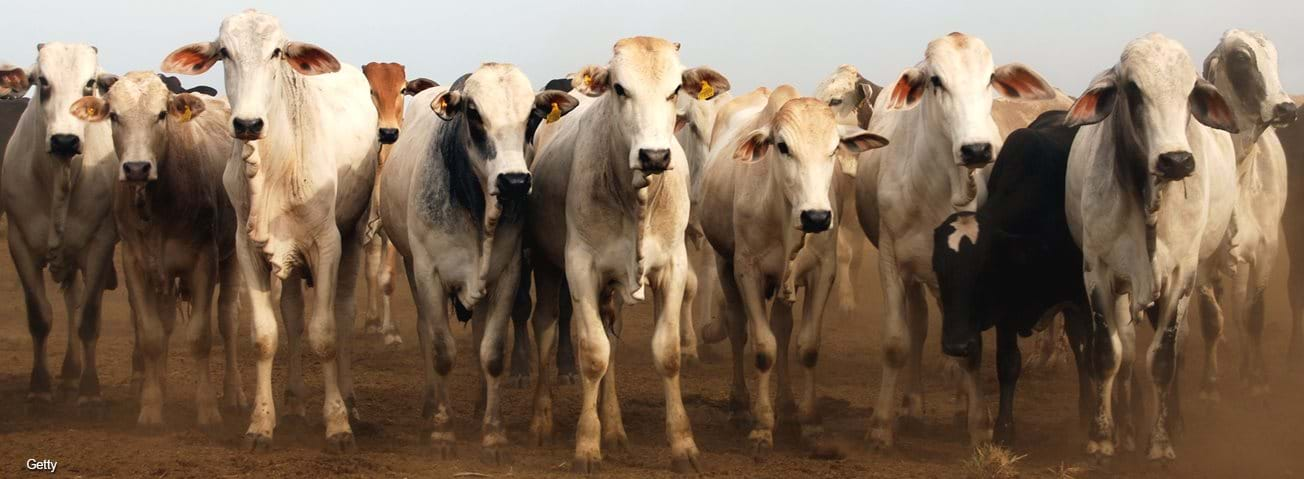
[65, 145]
[959, 349]
[816, 221]
[136, 170]
[976, 154]
[1175, 165]
[388, 135]
[654, 160]
[1284, 113]
[513, 185]
[246, 128]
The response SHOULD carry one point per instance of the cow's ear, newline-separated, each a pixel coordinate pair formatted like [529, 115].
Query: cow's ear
[754, 146]
[591, 80]
[1096, 103]
[192, 59]
[445, 104]
[907, 90]
[855, 141]
[1016, 80]
[416, 85]
[90, 108]
[15, 79]
[681, 120]
[185, 106]
[704, 83]
[864, 113]
[309, 59]
[105, 81]
[1210, 108]
[551, 105]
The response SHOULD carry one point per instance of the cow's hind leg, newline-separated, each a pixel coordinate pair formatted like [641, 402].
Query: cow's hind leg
[324, 334]
[296, 393]
[70, 372]
[438, 349]
[228, 316]
[199, 337]
[669, 303]
[1009, 362]
[912, 394]
[614, 438]
[1104, 356]
[1254, 319]
[808, 347]
[1211, 328]
[521, 305]
[345, 310]
[781, 324]
[1162, 359]
[386, 278]
[39, 319]
[740, 402]
[1077, 324]
[99, 272]
[566, 373]
[687, 330]
[548, 284]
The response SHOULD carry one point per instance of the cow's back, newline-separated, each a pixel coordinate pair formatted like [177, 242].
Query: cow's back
[402, 167]
[346, 132]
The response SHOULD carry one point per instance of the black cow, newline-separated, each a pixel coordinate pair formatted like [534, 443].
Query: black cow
[1014, 263]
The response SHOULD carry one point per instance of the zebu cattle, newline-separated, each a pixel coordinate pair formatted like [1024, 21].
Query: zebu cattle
[617, 178]
[1151, 185]
[693, 129]
[1292, 142]
[769, 207]
[938, 116]
[58, 178]
[389, 84]
[453, 203]
[1013, 263]
[177, 230]
[1244, 68]
[300, 179]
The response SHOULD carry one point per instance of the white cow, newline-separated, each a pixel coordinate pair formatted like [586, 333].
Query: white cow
[453, 202]
[617, 178]
[693, 129]
[177, 229]
[938, 116]
[1150, 190]
[769, 204]
[300, 180]
[1244, 68]
[59, 176]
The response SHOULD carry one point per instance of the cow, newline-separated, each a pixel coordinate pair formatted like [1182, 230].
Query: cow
[389, 84]
[1292, 142]
[1150, 189]
[1243, 66]
[299, 178]
[769, 207]
[608, 213]
[1013, 263]
[453, 203]
[58, 181]
[938, 117]
[177, 230]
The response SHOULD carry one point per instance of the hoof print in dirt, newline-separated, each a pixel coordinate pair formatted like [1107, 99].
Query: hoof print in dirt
[341, 443]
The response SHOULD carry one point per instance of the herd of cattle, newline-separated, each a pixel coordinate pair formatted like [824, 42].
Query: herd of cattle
[643, 179]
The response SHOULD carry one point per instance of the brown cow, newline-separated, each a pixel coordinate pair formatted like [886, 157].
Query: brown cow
[1292, 140]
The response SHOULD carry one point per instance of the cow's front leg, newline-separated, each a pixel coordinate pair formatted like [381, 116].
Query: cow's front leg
[1009, 363]
[493, 354]
[669, 303]
[1211, 328]
[896, 348]
[1104, 357]
[228, 315]
[740, 402]
[387, 325]
[150, 340]
[614, 439]
[99, 271]
[594, 353]
[781, 325]
[687, 330]
[323, 336]
[254, 271]
[345, 308]
[292, 313]
[199, 337]
[912, 392]
[521, 305]
[40, 319]
[372, 256]
[548, 281]
[818, 293]
[438, 349]
[70, 373]
[1162, 360]
[751, 284]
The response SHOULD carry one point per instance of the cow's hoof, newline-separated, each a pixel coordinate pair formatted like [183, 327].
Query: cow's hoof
[1101, 452]
[1003, 434]
[689, 359]
[568, 379]
[67, 392]
[93, 408]
[688, 463]
[762, 444]
[256, 442]
[1127, 442]
[879, 438]
[235, 403]
[393, 340]
[517, 381]
[1161, 451]
[587, 465]
[444, 449]
[615, 443]
[40, 403]
[495, 456]
[341, 443]
[372, 326]
[293, 424]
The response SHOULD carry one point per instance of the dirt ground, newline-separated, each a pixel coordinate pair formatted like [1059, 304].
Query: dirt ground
[1238, 438]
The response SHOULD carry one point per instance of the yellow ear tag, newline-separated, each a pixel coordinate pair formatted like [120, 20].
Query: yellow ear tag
[588, 80]
[90, 111]
[185, 115]
[555, 114]
[707, 91]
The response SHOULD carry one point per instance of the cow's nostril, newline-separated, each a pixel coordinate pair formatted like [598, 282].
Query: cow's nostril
[816, 221]
[247, 126]
[136, 170]
[65, 145]
[1175, 165]
[387, 135]
[654, 160]
[976, 154]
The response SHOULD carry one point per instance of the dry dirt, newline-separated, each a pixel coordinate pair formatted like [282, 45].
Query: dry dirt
[1240, 437]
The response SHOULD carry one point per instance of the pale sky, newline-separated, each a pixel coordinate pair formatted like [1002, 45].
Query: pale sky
[754, 43]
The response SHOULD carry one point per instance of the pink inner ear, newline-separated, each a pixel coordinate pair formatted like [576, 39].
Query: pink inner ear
[191, 59]
[312, 61]
[1085, 107]
[1021, 83]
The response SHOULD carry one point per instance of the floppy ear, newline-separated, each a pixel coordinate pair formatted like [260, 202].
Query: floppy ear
[1096, 103]
[185, 106]
[416, 85]
[445, 104]
[90, 108]
[15, 79]
[309, 59]
[754, 146]
[1016, 80]
[858, 141]
[192, 59]
[105, 81]
[551, 105]
[681, 120]
[864, 113]
[1210, 108]
[704, 83]
[591, 80]
[907, 90]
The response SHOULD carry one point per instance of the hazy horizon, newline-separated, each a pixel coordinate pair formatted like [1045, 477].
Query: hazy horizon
[753, 43]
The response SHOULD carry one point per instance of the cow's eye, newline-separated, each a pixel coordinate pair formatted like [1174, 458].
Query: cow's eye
[620, 90]
[783, 147]
[162, 115]
[276, 53]
[835, 102]
[224, 53]
[937, 81]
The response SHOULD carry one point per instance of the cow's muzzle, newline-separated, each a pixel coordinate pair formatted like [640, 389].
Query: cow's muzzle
[136, 171]
[387, 136]
[960, 349]
[976, 155]
[247, 129]
[816, 221]
[513, 186]
[65, 145]
[653, 160]
[1175, 166]
[1284, 114]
